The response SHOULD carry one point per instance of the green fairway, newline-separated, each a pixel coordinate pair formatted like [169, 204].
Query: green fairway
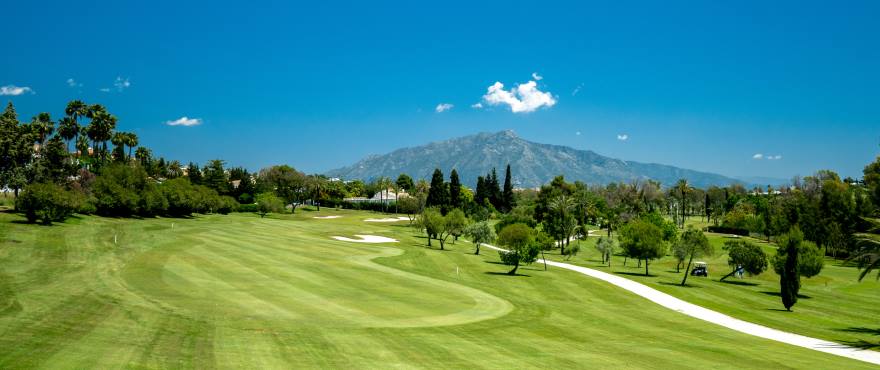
[238, 291]
[833, 306]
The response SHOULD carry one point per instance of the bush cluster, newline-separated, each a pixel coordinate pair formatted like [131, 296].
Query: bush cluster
[121, 191]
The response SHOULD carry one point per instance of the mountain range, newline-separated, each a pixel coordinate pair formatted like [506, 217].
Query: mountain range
[532, 164]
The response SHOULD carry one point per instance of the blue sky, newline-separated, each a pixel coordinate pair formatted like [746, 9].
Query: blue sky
[702, 85]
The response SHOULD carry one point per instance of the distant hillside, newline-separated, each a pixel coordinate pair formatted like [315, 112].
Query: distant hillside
[532, 164]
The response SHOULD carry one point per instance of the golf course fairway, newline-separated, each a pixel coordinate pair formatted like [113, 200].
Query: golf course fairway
[240, 291]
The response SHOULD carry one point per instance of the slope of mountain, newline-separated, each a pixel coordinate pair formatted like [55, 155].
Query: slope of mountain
[532, 164]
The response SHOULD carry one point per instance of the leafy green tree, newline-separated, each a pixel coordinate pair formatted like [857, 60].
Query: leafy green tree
[405, 182]
[268, 203]
[507, 197]
[480, 233]
[456, 222]
[438, 194]
[53, 164]
[118, 189]
[642, 240]
[47, 203]
[454, 190]
[606, 246]
[519, 239]
[432, 221]
[695, 244]
[872, 180]
[809, 257]
[562, 225]
[749, 256]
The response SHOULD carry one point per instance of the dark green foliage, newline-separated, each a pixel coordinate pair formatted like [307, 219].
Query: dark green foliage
[507, 198]
[405, 182]
[438, 194]
[519, 215]
[118, 188]
[454, 190]
[268, 203]
[642, 240]
[214, 176]
[748, 255]
[194, 173]
[47, 203]
[789, 277]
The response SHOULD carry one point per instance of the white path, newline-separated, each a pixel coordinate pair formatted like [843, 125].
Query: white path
[717, 318]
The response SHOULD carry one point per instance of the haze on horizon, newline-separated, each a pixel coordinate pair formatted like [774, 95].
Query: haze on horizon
[746, 89]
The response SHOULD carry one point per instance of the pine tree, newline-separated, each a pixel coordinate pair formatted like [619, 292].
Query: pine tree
[454, 190]
[438, 194]
[789, 279]
[507, 194]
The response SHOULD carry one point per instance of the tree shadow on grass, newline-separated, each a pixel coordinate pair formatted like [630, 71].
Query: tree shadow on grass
[734, 282]
[778, 309]
[678, 285]
[504, 274]
[777, 294]
[642, 274]
[861, 343]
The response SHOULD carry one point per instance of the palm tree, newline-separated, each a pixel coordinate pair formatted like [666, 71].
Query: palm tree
[68, 130]
[562, 205]
[683, 188]
[118, 141]
[82, 145]
[101, 127]
[42, 126]
[174, 169]
[868, 256]
[76, 109]
[131, 139]
[143, 155]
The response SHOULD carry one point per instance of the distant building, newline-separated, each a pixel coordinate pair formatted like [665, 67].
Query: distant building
[386, 196]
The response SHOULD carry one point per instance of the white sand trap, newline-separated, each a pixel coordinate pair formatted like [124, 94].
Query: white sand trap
[326, 217]
[390, 219]
[367, 239]
[718, 318]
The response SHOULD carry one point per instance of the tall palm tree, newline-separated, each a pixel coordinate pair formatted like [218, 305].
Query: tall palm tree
[131, 139]
[562, 205]
[683, 188]
[42, 127]
[118, 141]
[68, 129]
[76, 109]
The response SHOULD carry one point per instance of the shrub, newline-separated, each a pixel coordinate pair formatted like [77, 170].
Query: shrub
[226, 204]
[47, 203]
[117, 190]
[253, 207]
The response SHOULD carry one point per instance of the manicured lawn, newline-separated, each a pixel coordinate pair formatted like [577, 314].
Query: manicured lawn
[239, 291]
[834, 305]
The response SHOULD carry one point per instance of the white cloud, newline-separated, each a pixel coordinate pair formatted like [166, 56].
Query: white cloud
[477, 105]
[536, 76]
[524, 98]
[577, 89]
[104, 89]
[758, 156]
[15, 90]
[774, 157]
[72, 83]
[184, 121]
[121, 83]
[442, 107]
[622, 137]
[578, 133]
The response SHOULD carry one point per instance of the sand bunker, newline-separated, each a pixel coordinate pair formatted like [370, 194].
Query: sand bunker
[367, 239]
[390, 219]
[326, 217]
